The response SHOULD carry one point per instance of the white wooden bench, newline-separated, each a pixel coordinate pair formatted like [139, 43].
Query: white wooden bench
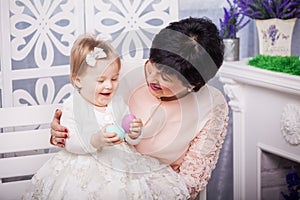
[24, 143]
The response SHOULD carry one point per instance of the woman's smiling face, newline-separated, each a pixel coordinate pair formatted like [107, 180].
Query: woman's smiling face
[161, 84]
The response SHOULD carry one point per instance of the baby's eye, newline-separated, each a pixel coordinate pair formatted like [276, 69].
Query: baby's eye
[100, 81]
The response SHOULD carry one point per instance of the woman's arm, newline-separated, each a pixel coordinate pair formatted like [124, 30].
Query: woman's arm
[203, 152]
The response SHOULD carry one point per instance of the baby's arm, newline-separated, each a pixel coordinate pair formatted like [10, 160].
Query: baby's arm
[74, 143]
[203, 152]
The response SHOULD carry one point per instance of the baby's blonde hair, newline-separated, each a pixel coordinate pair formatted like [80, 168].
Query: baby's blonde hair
[83, 46]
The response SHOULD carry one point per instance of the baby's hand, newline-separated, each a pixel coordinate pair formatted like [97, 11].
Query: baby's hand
[103, 138]
[135, 128]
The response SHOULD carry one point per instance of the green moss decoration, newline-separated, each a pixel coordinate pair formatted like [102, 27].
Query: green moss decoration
[285, 64]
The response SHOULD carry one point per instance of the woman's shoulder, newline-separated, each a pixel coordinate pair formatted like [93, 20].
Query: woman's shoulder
[219, 101]
[216, 94]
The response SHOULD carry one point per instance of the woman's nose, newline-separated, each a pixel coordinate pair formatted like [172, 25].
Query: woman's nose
[153, 78]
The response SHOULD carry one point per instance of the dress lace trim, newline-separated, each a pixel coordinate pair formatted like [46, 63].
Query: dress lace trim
[204, 150]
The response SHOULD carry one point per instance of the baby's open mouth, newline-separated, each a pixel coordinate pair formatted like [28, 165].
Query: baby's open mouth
[154, 86]
[105, 94]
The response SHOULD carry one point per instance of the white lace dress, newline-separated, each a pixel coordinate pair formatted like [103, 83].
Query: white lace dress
[114, 172]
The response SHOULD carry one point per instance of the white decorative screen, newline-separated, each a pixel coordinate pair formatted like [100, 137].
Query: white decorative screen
[36, 37]
[130, 24]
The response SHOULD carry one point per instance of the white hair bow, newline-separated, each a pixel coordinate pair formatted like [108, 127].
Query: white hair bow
[94, 55]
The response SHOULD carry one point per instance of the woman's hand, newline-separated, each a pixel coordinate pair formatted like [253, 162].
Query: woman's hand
[58, 132]
[103, 138]
[135, 128]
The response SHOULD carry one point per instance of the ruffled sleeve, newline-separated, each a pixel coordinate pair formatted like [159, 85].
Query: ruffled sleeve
[203, 153]
[81, 123]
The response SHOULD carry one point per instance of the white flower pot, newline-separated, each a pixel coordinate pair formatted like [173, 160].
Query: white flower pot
[275, 36]
[232, 49]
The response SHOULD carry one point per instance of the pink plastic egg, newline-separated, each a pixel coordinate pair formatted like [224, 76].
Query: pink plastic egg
[127, 119]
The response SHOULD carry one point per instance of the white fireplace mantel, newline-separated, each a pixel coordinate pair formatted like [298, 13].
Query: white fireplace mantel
[266, 117]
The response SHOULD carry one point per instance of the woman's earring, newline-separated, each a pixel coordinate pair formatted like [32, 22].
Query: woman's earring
[189, 89]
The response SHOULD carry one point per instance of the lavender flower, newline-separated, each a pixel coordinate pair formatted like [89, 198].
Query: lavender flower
[272, 33]
[293, 182]
[232, 21]
[267, 9]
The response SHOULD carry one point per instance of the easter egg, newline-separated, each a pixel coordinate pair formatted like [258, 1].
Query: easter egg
[127, 119]
[116, 129]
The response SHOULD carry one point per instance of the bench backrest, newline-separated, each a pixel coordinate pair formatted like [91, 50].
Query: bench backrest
[24, 146]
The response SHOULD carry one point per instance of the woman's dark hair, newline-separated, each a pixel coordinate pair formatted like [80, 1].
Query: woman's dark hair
[192, 47]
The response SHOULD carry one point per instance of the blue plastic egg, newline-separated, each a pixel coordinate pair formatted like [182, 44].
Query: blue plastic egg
[116, 129]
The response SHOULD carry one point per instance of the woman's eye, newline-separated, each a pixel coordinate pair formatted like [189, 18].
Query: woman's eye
[100, 81]
[165, 78]
[114, 79]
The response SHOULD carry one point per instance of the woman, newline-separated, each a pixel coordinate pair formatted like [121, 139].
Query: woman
[184, 119]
